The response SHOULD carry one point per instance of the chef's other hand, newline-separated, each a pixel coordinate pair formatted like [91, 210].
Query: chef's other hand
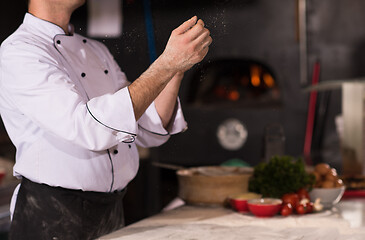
[188, 44]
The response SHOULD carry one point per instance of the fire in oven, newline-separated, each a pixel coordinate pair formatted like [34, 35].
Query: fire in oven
[234, 83]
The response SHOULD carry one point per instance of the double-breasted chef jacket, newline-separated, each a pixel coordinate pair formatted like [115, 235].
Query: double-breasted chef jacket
[65, 104]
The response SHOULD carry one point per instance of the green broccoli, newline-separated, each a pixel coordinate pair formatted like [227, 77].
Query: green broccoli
[282, 174]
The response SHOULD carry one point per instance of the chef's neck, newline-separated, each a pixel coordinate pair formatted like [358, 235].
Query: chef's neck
[59, 15]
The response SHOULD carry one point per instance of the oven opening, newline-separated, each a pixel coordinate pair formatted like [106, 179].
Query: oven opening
[234, 82]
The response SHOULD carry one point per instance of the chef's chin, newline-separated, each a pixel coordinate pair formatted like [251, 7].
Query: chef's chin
[77, 3]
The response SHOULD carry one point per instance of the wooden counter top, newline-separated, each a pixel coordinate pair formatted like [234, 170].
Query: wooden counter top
[345, 221]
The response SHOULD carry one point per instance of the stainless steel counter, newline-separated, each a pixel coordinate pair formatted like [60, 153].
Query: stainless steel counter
[344, 221]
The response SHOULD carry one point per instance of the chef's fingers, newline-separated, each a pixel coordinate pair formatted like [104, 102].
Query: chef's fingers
[207, 43]
[197, 30]
[203, 53]
[201, 22]
[203, 40]
[186, 25]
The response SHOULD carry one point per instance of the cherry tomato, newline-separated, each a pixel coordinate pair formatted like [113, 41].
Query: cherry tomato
[287, 209]
[291, 198]
[300, 209]
[303, 193]
[309, 207]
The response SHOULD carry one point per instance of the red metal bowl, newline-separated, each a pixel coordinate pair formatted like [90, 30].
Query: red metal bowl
[239, 205]
[239, 201]
[264, 207]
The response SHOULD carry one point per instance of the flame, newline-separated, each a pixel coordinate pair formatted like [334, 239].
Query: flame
[269, 80]
[233, 95]
[255, 75]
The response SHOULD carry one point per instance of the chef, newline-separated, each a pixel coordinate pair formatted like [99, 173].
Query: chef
[75, 120]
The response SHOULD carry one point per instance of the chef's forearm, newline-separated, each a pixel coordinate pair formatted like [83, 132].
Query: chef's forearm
[166, 100]
[148, 86]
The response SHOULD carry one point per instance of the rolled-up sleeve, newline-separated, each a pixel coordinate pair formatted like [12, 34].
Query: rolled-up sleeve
[151, 132]
[115, 111]
[35, 86]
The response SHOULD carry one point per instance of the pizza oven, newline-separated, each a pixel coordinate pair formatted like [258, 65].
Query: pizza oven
[233, 83]
[230, 104]
[248, 82]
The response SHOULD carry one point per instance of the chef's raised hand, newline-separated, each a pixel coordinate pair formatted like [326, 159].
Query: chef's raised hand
[188, 44]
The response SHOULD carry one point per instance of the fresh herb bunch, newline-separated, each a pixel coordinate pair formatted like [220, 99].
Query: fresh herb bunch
[282, 174]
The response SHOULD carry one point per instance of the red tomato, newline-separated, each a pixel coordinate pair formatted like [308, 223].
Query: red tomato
[309, 207]
[286, 210]
[291, 198]
[303, 193]
[300, 209]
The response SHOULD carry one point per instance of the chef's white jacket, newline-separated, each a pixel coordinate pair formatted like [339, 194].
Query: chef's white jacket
[66, 108]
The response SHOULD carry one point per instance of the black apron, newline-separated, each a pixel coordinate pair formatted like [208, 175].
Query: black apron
[55, 213]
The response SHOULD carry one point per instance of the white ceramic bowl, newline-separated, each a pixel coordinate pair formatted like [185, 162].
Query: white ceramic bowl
[328, 196]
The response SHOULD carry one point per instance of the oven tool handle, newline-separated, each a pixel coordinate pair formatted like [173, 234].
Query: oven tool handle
[167, 166]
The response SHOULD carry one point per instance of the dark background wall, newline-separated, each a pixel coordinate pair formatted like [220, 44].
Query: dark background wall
[260, 30]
